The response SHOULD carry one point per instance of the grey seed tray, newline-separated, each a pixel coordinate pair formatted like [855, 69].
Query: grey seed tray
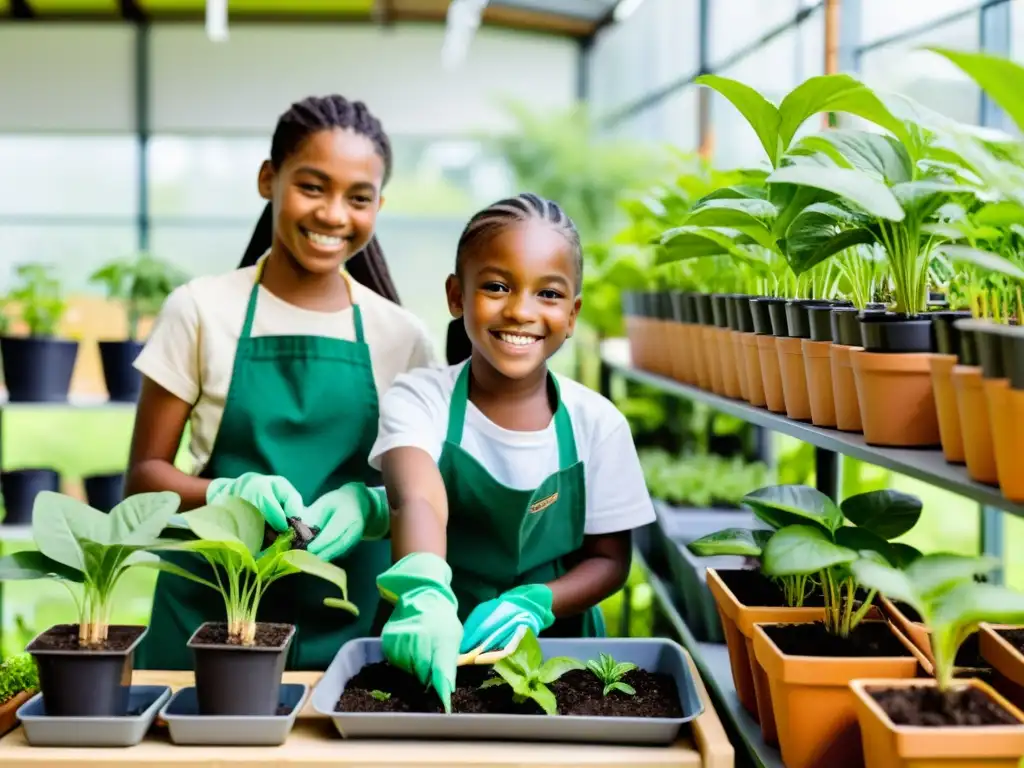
[188, 727]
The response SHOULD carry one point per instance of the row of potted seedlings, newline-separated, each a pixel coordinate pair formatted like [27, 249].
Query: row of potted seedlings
[852, 649]
[847, 277]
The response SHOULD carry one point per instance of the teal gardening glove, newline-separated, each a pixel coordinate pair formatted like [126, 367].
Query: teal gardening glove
[273, 496]
[422, 636]
[496, 623]
[345, 517]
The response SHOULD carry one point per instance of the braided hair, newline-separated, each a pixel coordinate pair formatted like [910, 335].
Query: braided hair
[303, 119]
[489, 222]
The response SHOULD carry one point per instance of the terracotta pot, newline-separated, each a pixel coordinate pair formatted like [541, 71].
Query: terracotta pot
[897, 404]
[634, 327]
[887, 745]
[771, 376]
[975, 426]
[1007, 662]
[738, 625]
[945, 405]
[815, 710]
[679, 351]
[712, 358]
[661, 352]
[818, 369]
[9, 710]
[752, 365]
[844, 389]
[701, 372]
[741, 364]
[794, 377]
[727, 358]
[1006, 415]
[914, 631]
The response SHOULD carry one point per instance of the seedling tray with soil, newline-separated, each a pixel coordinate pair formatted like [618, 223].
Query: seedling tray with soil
[368, 698]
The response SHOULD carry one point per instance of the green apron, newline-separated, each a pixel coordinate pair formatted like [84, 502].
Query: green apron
[500, 537]
[305, 408]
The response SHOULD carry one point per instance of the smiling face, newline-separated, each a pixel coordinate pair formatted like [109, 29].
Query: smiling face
[517, 291]
[326, 195]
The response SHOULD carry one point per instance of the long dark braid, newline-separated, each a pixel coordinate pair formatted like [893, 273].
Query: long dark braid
[489, 222]
[304, 118]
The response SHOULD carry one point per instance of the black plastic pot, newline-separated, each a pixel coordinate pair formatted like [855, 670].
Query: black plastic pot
[744, 315]
[968, 352]
[38, 370]
[84, 683]
[896, 334]
[1013, 356]
[237, 680]
[104, 492]
[797, 320]
[690, 307]
[123, 381]
[719, 303]
[990, 352]
[730, 313]
[819, 320]
[664, 304]
[20, 488]
[947, 336]
[760, 315]
[682, 310]
[629, 303]
[705, 315]
[845, 327]
[777, 311]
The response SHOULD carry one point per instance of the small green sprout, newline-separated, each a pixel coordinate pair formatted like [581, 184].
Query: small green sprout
[380, 695]
[610, 672]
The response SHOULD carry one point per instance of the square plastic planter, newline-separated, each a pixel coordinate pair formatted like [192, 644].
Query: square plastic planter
[187, 726]
[651, 654]
[142, 702]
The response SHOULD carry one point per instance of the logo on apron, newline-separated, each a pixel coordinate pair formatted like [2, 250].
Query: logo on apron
[544, 503]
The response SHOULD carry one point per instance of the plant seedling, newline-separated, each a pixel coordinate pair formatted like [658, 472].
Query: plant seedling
[81, 545]
[943, 590]
[380, 695]
[610, 672]
[142, 284]
[18, 673]
[230, 536]
[529, 675]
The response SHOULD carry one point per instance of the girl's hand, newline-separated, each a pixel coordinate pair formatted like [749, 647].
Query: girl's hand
[496, 623]
[272, 495]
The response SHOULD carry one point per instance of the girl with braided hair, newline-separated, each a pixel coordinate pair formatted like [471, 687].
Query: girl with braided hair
[514, 490]
[278, 367]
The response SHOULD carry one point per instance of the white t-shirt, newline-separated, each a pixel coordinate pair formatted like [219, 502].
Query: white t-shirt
[414, 413]
[191, 350]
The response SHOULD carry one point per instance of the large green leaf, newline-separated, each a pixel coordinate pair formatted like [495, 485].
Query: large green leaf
[904, 554]
[986, 260]
[1001, 214]
[31, 564]
[802, 550]
[931, 575]
[139, 519]
[886, 513]
[1000, 78]
[863, 151]
[729, 541]
[889, 581]
[226, 551]
[857, 187]
[53, 529]
[228, 518]
[864, 541]
[314, 566]
[166, 567]
[734, 212]
[783, 505]
[761, 114]
[832, 93]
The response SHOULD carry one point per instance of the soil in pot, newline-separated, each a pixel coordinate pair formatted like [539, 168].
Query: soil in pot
[20, 488]
[931, 708]
[868, 640]
[578, 692]
[753, 589]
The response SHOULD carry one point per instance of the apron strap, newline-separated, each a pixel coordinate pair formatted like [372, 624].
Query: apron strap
[567, 455]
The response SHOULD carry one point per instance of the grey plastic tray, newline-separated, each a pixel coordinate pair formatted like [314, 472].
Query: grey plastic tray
[189, 727]
[652, 654]
[41, 730]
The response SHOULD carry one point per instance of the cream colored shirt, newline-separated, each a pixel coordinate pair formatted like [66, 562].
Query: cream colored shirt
[191, 350]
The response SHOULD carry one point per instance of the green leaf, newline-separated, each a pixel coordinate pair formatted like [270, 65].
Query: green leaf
[888, 514]
[735, 212]
[141, 518]
[986, 260]
[932, 575]
[345, 605]
[903, 554]
[729, 541]
[857, 187]
[627, 689]
[799, 550]
[314, 566]
[529, 652]
[821, 230]
[493, 682]
[864, 542]
[53, 529]
[1000, 78]
[623, 668]
[1000, 214]
[863, 150]
[166, 567]
[230, 553]
[890, 582]
[546, 699]
[782, 505]
[228, 519]
[761, 114]
[554, 668]
[31, 564]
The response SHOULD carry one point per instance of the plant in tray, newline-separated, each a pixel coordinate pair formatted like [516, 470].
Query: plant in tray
[19, 680]
[610, 672]
[528, 673]
[81, 666]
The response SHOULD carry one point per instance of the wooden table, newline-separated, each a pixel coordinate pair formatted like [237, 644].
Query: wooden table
[315, 743]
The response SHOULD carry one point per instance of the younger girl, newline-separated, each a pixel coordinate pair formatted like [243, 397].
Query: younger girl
[277, 368]
[513, 490]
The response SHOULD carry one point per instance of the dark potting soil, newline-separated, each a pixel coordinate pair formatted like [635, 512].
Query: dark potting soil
[578, 692]
[1014, 637]
[869, 640]
[303, 533]
[267, 635]
[930, 707]
[969, 654]
[64, 637]
[753, 589]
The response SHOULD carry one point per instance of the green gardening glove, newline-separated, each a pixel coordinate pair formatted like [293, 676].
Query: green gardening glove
[272, 495]
[346, 516]
[423, 634]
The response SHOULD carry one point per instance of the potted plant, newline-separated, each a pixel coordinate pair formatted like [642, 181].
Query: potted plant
[19, 680]
[142, 284]
[81, 666]
[929, 721]
[38, 367]
[20, 488]
[239, 662]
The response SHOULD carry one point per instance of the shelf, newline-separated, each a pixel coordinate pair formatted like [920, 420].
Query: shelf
[928, 465]
[712, 661]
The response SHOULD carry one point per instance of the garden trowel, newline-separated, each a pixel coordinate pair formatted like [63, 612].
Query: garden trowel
[477, 656]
